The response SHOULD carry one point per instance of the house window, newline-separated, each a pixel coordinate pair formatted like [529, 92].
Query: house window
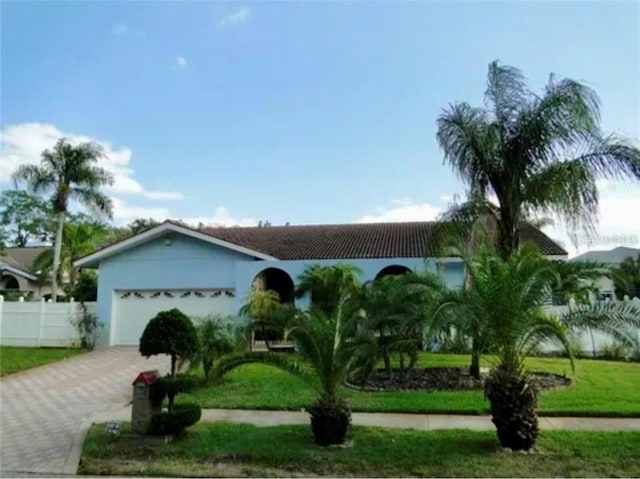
[606, 296]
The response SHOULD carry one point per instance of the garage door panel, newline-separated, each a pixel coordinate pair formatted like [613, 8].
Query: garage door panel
[133, 309]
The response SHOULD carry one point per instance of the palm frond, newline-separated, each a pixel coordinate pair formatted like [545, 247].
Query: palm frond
[230, 362]
[620, 319]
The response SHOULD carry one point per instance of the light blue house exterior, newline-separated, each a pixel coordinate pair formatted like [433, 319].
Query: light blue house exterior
[172, 266]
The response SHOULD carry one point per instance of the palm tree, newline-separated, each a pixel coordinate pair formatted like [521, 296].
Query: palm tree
[537, 154]
[627, 278]
[325, 284]
[395, 320]
[68, 172]
[78, 239]
[260, 307]
[505, 300]
[217, 337]
[327, 352]
[507, 297]
[575, 280]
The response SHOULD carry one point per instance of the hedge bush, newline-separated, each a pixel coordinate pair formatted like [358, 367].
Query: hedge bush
[175, 422]
[168, 385]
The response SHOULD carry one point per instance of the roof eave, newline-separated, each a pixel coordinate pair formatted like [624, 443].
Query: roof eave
[25, 274]
[94, 258]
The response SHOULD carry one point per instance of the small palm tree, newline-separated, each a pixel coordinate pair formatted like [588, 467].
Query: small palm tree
[327, 352]
[575, 280]
[68, 172]
[507, 297]
[505, 301]
[326, 283]
[260, 307]
[395, 320]
[217, 337]
[536, 153]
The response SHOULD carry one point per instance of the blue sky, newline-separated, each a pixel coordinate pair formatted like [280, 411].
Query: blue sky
[308, 112]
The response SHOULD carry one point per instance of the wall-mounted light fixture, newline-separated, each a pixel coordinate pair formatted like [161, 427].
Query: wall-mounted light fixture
[167, 241]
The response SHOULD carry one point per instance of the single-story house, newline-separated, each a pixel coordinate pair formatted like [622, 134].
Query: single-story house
[212, 270]
[17, 275]
[612, 257]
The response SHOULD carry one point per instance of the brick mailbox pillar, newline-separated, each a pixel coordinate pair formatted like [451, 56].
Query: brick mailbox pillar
[142, 407]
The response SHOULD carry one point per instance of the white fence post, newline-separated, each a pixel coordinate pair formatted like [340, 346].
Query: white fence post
[40, 321]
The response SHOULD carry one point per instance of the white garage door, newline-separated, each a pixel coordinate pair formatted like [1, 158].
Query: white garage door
[132, 310]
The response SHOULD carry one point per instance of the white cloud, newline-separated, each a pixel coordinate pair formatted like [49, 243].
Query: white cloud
[235, 18]
[619, 221]
[406, 210]
[221, 217]
[124, 212]
[181, 62]
[23, 143]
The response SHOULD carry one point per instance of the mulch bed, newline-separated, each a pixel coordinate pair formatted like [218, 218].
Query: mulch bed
[445, 379]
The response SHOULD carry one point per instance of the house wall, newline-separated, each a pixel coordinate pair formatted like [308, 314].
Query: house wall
[187, 263]
[452, 272]
[184, 263]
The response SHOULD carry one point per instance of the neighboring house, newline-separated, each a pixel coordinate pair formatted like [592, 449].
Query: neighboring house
[17, 273]
[212, 271]
[615, 256]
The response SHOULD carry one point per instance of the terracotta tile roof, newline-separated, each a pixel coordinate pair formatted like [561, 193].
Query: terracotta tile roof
[352, 241]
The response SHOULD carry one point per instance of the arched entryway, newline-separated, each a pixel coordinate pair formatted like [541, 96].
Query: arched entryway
[9, 282]
[273, 279]
[277, 280]
[393, 270]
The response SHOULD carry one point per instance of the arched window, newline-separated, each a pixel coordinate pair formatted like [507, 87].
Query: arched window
[393, 270]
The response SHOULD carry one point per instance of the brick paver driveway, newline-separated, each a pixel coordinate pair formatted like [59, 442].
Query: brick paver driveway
[42, 410]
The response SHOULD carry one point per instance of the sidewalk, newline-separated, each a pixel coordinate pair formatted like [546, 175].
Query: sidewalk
[423, 422]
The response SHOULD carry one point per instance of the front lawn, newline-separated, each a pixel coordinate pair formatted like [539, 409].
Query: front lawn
[600, 388]
[232, 450]
[14, 359]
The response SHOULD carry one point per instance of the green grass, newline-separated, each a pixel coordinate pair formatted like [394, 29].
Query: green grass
[220, 449]
[14, 359]
[600, 388]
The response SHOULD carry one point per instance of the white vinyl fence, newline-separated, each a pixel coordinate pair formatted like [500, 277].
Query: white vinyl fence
[588, 340]
[40, 323]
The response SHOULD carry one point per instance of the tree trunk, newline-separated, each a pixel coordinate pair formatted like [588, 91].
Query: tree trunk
[57, 250]
[474, 368]
[513, 401]
[508, 227]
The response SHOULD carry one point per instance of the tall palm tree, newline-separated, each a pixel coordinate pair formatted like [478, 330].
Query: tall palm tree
[327, 352]
[68, 172]
[324, 284]
[537, 154]
[627, 278]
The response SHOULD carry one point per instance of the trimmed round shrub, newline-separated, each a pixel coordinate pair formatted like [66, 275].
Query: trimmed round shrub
[175, 422]
[169, 332]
